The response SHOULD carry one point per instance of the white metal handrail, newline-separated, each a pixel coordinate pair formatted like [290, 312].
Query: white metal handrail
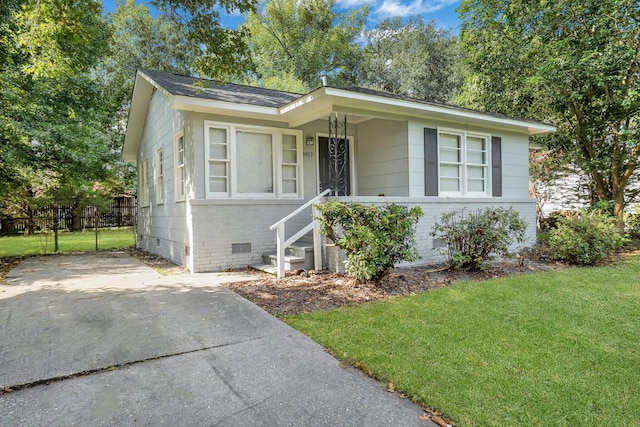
[282, 244]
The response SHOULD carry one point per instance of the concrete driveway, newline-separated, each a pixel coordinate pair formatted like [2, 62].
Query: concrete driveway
[101, 339]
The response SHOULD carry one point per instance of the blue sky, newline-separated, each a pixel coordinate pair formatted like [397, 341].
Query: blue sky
[441, 11]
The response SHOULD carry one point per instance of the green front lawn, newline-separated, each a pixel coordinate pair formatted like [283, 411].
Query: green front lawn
[43, 243]
[550, 349]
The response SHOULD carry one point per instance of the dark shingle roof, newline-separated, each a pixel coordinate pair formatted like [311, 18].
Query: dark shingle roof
[196, 87]
[208, 89]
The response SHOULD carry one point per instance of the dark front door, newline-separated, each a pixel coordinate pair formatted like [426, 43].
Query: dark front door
[333, 164]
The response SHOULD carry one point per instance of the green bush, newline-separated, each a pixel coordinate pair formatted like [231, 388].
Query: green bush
[584, 240]
[469, 239]
[551, 221]
[632, 224]
[374, 238]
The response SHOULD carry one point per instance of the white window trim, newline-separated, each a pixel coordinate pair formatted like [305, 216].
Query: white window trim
[159, 176]
[232, 176]
[463, 181]
[180, 170]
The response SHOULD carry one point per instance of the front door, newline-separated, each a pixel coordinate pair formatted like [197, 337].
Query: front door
[334, 166]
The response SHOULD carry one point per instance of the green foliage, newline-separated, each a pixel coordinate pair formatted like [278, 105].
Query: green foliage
[411, 58]
[139, 40]
[584, 240]
[575, 63]
[374, 238]
[56, 137]
[470, 239]
[632, 223]
[60, 37]
[221, 52]
[292, 43]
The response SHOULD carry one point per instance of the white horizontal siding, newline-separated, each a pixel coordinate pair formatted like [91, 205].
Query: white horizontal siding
[382, 158]
[163, 229]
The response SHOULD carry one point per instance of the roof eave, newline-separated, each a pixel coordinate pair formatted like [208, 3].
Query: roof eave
[189, 103]
[142, 92]
[417, 109]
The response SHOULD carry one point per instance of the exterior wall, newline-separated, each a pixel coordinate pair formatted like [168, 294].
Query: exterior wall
[434, 207]
[515, 157]
[515, 165]
[163, 227]
[219, 224]
[383, 158]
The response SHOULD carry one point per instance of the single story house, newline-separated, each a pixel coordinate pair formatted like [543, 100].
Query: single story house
[220, 165]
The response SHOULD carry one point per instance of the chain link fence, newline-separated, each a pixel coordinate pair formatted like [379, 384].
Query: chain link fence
[64, 227]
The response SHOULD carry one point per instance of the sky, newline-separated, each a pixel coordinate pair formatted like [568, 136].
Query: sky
[441, 11]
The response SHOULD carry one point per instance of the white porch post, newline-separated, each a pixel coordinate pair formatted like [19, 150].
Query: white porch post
[280, 250]
[317, 242]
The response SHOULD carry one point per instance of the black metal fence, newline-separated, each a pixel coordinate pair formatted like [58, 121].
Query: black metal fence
[121, 213]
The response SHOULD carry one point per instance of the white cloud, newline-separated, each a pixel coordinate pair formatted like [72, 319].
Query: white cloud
[348, 4]
[402, 8]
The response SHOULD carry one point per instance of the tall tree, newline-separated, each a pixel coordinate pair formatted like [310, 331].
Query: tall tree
[138, 40]
[293, 43]
[51, 117]
[221, 51]
[412, 58]
[573, 62]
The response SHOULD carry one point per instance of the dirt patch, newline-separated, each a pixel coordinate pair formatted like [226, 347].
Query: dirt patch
[6, 265]
[321, 290]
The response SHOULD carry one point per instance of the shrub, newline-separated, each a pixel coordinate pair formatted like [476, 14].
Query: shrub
[470, 239]
[551, 221]
[632, 223]
[584, 240]
[374, 238]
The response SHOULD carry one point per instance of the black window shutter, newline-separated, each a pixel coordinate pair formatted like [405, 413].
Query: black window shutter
[496, 166]
[430, 162]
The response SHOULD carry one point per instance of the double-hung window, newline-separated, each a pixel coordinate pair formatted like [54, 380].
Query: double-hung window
[217, 142]
[463, 163]
[179, 169]
[252, 161]
[160, 176]
[143, 182]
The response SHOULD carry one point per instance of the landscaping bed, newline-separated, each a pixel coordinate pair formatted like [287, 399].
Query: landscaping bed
[311, 291]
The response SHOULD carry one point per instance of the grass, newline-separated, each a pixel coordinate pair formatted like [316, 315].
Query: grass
[550, 349]
[43, 243]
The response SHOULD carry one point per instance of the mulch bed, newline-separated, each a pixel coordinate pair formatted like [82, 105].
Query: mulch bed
[322, 290]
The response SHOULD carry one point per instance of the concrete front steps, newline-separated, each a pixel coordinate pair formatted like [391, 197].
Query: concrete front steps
[299, 255]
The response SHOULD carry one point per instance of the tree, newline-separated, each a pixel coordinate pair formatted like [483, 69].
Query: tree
[293, 43]
[413, 59]
[53, 135]
[221, 51]
[575, 63]
[60, 37]
[138, 40]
